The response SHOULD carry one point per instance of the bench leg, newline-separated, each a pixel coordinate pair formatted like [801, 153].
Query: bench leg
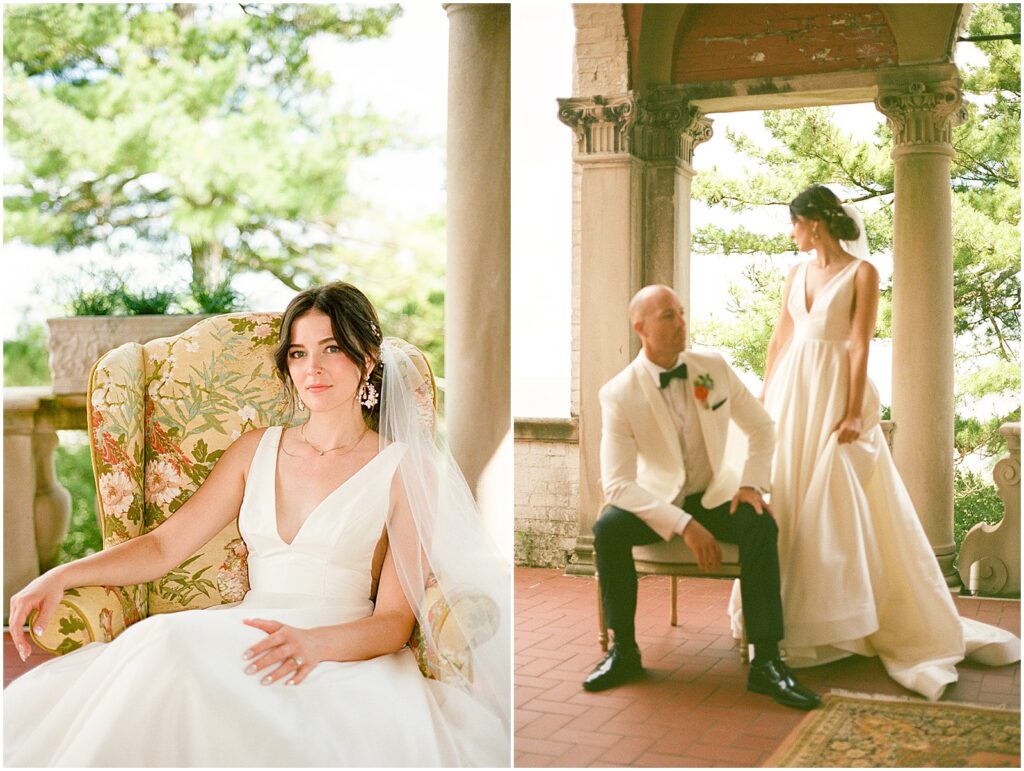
[673, 618]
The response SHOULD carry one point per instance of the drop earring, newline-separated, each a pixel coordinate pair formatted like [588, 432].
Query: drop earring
[299, 406]
[368, 395]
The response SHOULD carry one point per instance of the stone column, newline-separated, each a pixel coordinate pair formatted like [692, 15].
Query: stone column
[699, 131]
[609, 275]
[922, 117]
[477, 302]
[656, 141]
[625, 149]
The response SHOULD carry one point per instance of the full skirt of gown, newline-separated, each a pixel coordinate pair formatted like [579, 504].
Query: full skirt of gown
[858, 573]
[171, 690]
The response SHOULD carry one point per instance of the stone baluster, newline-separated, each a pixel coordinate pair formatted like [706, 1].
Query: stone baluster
[37, 509]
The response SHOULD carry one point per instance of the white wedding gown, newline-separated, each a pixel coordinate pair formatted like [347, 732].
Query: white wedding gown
[171, 690]
[858, 573]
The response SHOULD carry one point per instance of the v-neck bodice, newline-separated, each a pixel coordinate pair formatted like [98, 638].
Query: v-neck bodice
[329, 559]
[829, 316]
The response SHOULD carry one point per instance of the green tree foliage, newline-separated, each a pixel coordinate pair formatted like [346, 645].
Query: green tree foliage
[201, 133]
[757, 303]
[975, 500]
[74, 471]
[26, 357]
[409, 293]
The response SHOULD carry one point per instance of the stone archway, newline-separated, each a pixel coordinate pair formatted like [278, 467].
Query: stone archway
[644, 86]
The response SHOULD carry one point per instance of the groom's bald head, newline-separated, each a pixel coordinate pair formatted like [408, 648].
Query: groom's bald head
[656, 315]
[642, 301]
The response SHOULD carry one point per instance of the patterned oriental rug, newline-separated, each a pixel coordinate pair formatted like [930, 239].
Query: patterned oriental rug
[865, 731]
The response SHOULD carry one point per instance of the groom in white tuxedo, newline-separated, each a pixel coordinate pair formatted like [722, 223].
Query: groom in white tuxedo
[665, 420]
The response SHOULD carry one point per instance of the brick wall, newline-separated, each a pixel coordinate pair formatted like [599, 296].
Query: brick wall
[719, 42]
[546, 491]
[601, 64]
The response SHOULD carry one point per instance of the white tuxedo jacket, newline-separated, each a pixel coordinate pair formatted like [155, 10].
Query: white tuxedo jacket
[641, 460]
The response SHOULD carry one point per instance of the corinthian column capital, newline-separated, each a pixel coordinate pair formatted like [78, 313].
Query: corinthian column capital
[602, 124]
[696, 132]
[922, 114]
[651, 128]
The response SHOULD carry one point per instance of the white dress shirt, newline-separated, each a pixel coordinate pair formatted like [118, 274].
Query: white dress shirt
[682, 406]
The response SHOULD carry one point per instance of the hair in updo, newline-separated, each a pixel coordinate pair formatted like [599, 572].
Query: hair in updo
[819, 203]
[355, 327]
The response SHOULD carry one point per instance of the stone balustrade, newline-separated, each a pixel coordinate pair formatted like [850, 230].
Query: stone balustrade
[36, 508]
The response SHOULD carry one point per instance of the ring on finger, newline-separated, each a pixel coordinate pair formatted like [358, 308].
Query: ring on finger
[298, 661]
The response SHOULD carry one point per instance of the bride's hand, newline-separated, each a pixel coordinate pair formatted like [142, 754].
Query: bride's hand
[848, 430]
[41, 596]
[292, 652]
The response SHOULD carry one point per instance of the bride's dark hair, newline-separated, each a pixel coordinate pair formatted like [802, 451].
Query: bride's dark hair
[354, 324]
[819, 203]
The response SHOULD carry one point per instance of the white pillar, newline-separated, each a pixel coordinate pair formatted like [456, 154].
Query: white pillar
[922, 117]
[477, 302]
[698, 132]
[609, 274]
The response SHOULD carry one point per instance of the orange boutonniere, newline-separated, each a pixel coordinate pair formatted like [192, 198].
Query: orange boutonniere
[701, 388]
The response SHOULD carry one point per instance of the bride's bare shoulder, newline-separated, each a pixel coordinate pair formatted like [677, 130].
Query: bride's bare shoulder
[242, 450]
[866, 273]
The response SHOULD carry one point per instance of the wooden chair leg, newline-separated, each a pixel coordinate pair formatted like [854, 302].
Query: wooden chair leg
[744, 647]
[602, 625]
[673, 618]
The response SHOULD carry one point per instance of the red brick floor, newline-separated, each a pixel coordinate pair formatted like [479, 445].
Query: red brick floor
[693, 708]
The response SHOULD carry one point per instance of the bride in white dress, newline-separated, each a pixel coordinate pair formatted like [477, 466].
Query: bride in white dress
[858, 573]
[306, 670]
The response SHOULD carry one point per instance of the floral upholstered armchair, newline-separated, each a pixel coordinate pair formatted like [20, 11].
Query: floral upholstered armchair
[160, 416]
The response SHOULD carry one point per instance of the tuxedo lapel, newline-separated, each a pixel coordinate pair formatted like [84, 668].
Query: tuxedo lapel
[658, 410]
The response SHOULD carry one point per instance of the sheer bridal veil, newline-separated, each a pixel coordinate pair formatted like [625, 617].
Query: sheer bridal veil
[859, 246]
[439, 541]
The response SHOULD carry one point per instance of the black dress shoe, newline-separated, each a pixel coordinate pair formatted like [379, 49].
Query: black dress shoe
[774, 678]
[618, 667]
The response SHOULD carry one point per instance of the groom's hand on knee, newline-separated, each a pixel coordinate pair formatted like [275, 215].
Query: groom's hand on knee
[703, 545]
[751, 497]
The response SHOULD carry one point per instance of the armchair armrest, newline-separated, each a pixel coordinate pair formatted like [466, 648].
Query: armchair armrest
[453, 624]
[91, 614]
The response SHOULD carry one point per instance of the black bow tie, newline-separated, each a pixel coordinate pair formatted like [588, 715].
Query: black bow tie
[666, 376]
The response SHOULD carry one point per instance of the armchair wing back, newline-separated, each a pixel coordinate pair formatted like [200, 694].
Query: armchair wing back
[160, 415]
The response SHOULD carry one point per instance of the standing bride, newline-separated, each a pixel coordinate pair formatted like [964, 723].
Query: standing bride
[858, 573]
[307, 670]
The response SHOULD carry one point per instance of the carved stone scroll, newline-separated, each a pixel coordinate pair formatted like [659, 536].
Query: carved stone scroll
[990, 554]
[922, 114]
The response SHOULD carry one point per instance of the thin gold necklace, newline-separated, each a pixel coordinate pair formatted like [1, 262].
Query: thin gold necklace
[346, 448]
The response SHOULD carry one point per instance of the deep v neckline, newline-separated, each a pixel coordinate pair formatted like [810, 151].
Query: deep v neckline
[320, 505]
[826, 285]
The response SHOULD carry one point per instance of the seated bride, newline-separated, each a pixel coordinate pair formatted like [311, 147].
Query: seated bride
[306, 670]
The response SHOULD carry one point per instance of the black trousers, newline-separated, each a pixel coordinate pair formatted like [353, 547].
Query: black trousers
[617, 531]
